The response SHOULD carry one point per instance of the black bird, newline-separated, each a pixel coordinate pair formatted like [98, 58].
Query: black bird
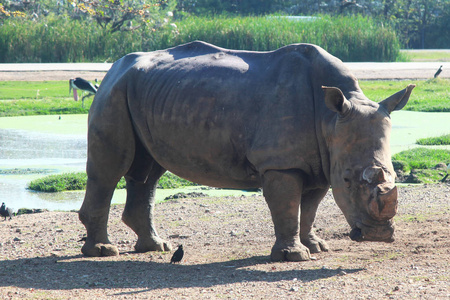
[446, 175]
[178, 255]
[82, 85]
[6, 211]
[438, 72]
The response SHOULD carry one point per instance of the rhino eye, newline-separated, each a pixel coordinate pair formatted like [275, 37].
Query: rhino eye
[347, 176]
[347, 182]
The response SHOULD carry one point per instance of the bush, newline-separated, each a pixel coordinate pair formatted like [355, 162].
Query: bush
[77, 181]
[60, 39]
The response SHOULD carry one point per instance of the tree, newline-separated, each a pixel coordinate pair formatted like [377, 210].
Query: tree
[115, 15]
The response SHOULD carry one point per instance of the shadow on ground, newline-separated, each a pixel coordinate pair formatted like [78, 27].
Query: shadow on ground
[78, 272]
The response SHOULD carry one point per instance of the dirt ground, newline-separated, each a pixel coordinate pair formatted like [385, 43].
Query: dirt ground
[227, 245]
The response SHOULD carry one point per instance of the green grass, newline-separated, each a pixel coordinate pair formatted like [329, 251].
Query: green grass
[425, 55]
[422, 158]
[77, 181]
[354, 38]
[58, 39]
[427, 96]
[24, 98]
[34, 90]
[441, 140]
[20, 98]
[422, 161]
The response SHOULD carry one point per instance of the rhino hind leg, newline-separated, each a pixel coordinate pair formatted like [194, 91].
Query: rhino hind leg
[309, 205]
[142, 179]
[283, 190]
[95, 210]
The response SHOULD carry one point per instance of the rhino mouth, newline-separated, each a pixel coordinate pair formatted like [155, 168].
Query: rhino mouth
[378, 233]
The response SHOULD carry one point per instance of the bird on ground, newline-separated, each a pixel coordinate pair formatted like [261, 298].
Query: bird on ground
[446, 175]
[178, 255]
[6, 211]
[438, 72]
[82, 85]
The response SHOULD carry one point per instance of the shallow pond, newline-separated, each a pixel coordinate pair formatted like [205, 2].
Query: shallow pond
[32, 147]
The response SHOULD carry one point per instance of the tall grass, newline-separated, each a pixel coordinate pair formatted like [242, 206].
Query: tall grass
[349, 38]
[60, 39]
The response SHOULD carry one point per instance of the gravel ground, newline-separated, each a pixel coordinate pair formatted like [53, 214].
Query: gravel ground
[227, 245]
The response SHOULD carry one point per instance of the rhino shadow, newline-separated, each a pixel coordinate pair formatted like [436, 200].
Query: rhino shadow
[64, 273]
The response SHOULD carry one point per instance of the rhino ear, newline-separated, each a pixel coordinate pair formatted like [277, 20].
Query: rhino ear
[398, 100]
[335, 100]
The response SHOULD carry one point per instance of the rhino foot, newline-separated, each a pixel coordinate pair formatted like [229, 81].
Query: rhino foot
[99, 249]
[297, 253]
[315, 244]
[153, 244]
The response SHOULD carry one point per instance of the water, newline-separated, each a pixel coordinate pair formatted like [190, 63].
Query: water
[27, 155]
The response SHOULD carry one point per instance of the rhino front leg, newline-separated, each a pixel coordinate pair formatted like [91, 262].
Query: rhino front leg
[309, 205]
[138, 213]
[283, 190]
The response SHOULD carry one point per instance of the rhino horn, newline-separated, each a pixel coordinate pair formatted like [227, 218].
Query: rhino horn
[398, 100]
[384, 205]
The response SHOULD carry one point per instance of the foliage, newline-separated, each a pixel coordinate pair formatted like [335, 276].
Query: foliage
[428, 96]
[110, 15]
[77, 181]
[59, 183]
[350, 39]
[65, 40]
[441, 140]
[419, 23]
[171, 181]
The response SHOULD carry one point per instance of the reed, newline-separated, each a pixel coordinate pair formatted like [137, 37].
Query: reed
[60, 39]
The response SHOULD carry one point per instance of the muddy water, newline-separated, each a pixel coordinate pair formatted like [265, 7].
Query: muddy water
[26, 155]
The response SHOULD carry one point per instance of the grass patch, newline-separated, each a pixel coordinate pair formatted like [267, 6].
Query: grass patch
[440, 140]
[77, 181]
[426, 55]
[422, 158]
[421, 162]
[428, 96]
[22, 98]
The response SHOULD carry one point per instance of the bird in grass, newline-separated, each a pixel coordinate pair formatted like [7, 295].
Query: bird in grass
[82, 85]
[446, 175]
[438, 72]
[178, 255]
[6, 211]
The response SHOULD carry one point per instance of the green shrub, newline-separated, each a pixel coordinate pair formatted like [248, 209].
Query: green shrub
[60, 39]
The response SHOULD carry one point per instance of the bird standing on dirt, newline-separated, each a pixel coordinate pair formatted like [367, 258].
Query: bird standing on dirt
[438, 72]
[178, 255]
[446, 175]
[6, 211]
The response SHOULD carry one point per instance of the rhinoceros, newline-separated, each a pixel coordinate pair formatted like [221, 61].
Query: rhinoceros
[293, 121]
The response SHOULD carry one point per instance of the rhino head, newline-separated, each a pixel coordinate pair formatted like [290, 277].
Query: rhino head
[361, 173]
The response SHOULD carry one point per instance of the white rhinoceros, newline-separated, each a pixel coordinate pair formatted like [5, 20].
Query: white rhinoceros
[292, 121]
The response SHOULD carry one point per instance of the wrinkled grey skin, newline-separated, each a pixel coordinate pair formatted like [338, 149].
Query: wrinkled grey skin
[292, 121]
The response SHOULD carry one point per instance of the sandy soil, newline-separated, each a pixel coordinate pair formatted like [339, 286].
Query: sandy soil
[227, 244]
